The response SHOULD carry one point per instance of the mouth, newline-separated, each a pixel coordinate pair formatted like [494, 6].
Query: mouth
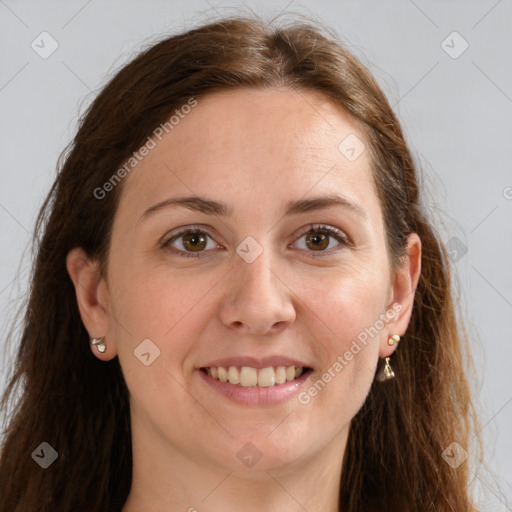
[250, 377]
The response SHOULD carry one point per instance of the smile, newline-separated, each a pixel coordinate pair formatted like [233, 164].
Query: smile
[247, 376]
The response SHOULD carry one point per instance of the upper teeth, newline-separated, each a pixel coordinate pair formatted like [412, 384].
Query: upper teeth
[254, 377]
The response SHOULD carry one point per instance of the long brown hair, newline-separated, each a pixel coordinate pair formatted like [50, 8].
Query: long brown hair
[79, 405]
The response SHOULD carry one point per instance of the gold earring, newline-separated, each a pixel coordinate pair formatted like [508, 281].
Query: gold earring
[100, 344]
[393, 340]
[388, 371]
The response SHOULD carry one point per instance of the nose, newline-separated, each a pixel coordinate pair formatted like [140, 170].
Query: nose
[259, 300]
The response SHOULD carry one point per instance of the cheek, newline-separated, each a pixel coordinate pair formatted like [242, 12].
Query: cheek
[346, 302]
[166, 307]
[348, 314]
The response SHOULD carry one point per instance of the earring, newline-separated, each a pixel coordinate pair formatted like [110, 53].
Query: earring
[100, 344]
[393, 340]
[387, 372]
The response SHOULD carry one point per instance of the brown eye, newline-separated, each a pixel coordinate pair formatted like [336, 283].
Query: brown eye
[317, 241]
[194, 241]
[190, 242]
[320, 238]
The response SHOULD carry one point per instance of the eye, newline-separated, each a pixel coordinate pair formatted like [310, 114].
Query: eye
[318, 239]
[190, 242]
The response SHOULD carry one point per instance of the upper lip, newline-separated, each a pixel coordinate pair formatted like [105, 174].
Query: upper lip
[263, 362]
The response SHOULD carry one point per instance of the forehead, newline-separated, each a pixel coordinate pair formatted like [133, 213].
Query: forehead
[254, 147]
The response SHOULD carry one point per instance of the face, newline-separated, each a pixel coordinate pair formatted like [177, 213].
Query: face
[269, 277]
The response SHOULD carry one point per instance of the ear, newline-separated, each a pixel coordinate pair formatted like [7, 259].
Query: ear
[402, 291]
[93, 299]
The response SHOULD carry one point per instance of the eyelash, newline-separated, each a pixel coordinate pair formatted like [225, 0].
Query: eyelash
[327, 230]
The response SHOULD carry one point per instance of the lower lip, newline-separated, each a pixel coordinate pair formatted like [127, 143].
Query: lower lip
[257, 396]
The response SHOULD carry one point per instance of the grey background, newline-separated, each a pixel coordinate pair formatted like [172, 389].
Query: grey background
[456, 113]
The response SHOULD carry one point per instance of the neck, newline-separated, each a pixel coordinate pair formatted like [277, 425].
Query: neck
[165, 478]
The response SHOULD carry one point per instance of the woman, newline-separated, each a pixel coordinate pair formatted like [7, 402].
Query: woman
[238, 302]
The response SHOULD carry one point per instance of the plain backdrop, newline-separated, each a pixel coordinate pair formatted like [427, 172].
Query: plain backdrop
[446, 68]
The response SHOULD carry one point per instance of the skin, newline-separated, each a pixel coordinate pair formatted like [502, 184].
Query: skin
[254, 150]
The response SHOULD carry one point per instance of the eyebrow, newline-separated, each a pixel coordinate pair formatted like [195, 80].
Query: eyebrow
[220, 209]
